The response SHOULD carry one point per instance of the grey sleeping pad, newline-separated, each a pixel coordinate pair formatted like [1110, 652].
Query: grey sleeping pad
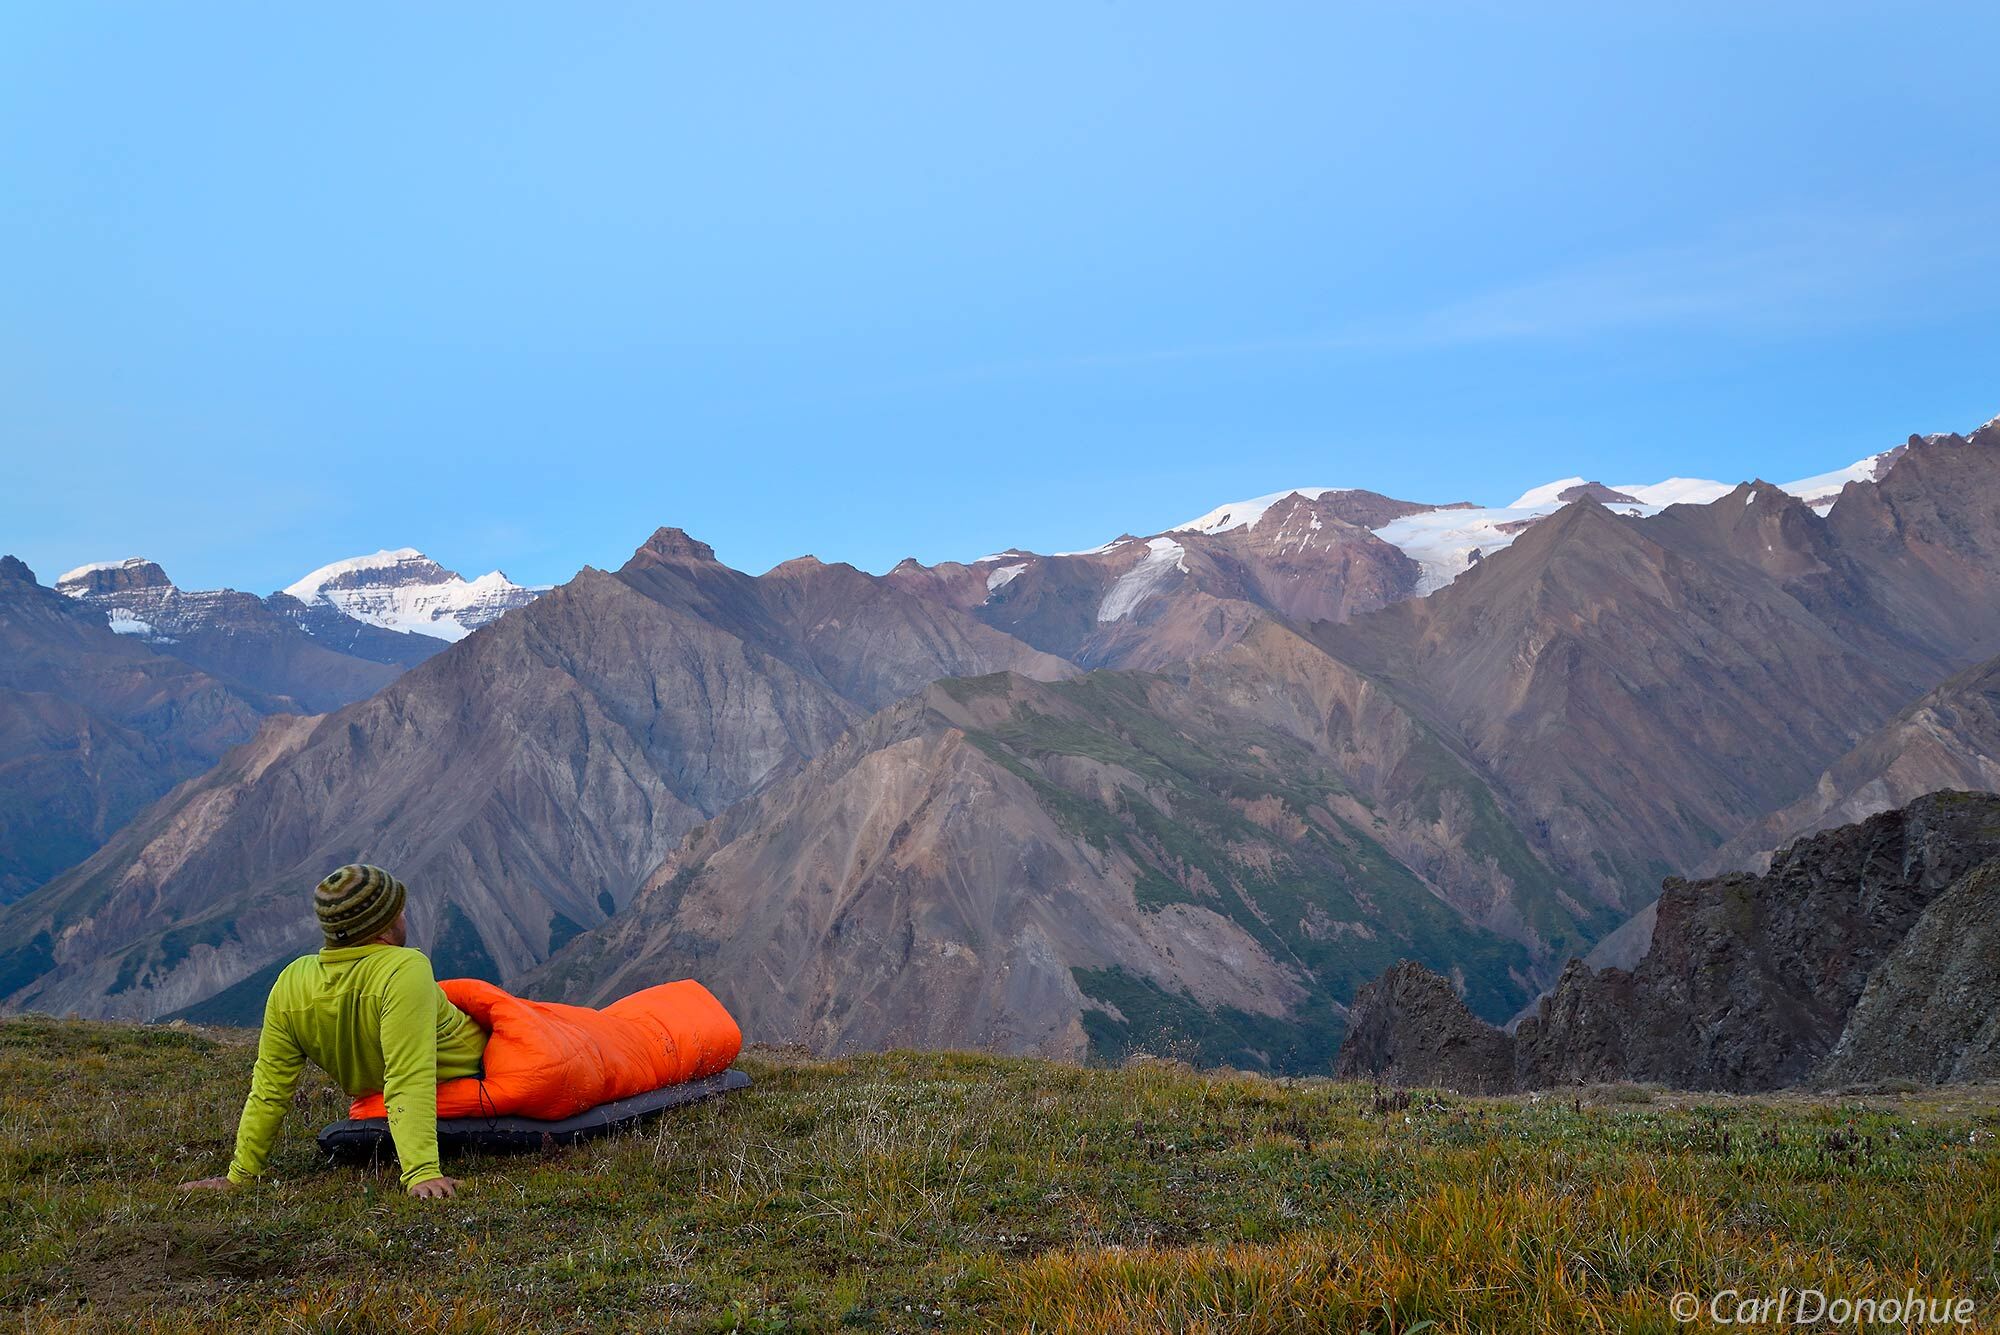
[368, 1137]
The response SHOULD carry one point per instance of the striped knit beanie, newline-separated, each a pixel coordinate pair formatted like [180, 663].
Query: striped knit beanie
[356, 903]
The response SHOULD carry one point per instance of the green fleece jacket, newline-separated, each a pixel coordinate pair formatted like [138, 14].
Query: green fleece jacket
[373, 1018]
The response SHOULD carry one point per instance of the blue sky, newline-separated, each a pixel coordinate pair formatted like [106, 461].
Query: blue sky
[518, 284]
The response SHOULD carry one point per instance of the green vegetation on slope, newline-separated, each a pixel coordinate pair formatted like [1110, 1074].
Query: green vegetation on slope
[1158, 1023]
[919, 1192]
[1326, 895]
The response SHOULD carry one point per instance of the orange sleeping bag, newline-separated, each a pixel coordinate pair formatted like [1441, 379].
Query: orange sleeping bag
[550, 1061]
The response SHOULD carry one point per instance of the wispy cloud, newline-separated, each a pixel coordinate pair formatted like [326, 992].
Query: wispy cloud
[1768, 274]
[1771, 274]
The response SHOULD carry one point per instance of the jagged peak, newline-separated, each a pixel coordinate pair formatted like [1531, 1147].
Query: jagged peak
[134, 572]
[672, 544]
[14, 570]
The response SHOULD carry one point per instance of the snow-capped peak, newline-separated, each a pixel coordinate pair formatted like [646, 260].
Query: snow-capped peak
[1673, 491]
[84, 572]
[1445, 543]
[405, 590]
[1545, 494]
[385, 567]
[1822, 489]
[1676, 491]
[1245, 514]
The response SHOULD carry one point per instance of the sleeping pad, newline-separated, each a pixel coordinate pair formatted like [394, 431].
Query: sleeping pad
[549, 1061]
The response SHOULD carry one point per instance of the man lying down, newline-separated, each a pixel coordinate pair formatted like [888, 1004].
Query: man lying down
[368, 1011]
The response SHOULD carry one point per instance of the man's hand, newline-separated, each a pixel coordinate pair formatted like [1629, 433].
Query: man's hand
[435, 1189]
[208, 1184]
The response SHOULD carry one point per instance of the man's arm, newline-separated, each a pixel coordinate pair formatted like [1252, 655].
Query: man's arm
[279, 1062]
[409, 1067]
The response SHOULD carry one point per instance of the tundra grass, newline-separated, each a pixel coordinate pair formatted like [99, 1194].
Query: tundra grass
[948, 1191]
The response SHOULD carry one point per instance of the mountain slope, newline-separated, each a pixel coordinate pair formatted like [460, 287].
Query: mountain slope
[1948, 739]
[1926, 538]
[1624, 695]
[93, 725]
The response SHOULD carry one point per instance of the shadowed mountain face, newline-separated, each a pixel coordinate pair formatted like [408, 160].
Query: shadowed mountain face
[1206, 861]
[93, 726]
[523, 783]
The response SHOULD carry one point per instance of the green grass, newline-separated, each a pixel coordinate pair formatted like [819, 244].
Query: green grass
[951, 1191]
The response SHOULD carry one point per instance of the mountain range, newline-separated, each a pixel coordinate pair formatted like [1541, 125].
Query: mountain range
[127, 684]
[1189, 789]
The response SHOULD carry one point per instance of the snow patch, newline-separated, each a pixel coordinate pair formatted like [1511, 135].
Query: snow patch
[124, 623]
[1000, 578]
[1163, 557]
[1442, 542]
[1676, 491]
[1546, 494]
[1824, 488]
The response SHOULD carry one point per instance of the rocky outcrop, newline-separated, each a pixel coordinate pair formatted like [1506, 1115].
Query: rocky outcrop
[1874, 943]
[1409, 1027]
[1750, 979]
[1931, 1011]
